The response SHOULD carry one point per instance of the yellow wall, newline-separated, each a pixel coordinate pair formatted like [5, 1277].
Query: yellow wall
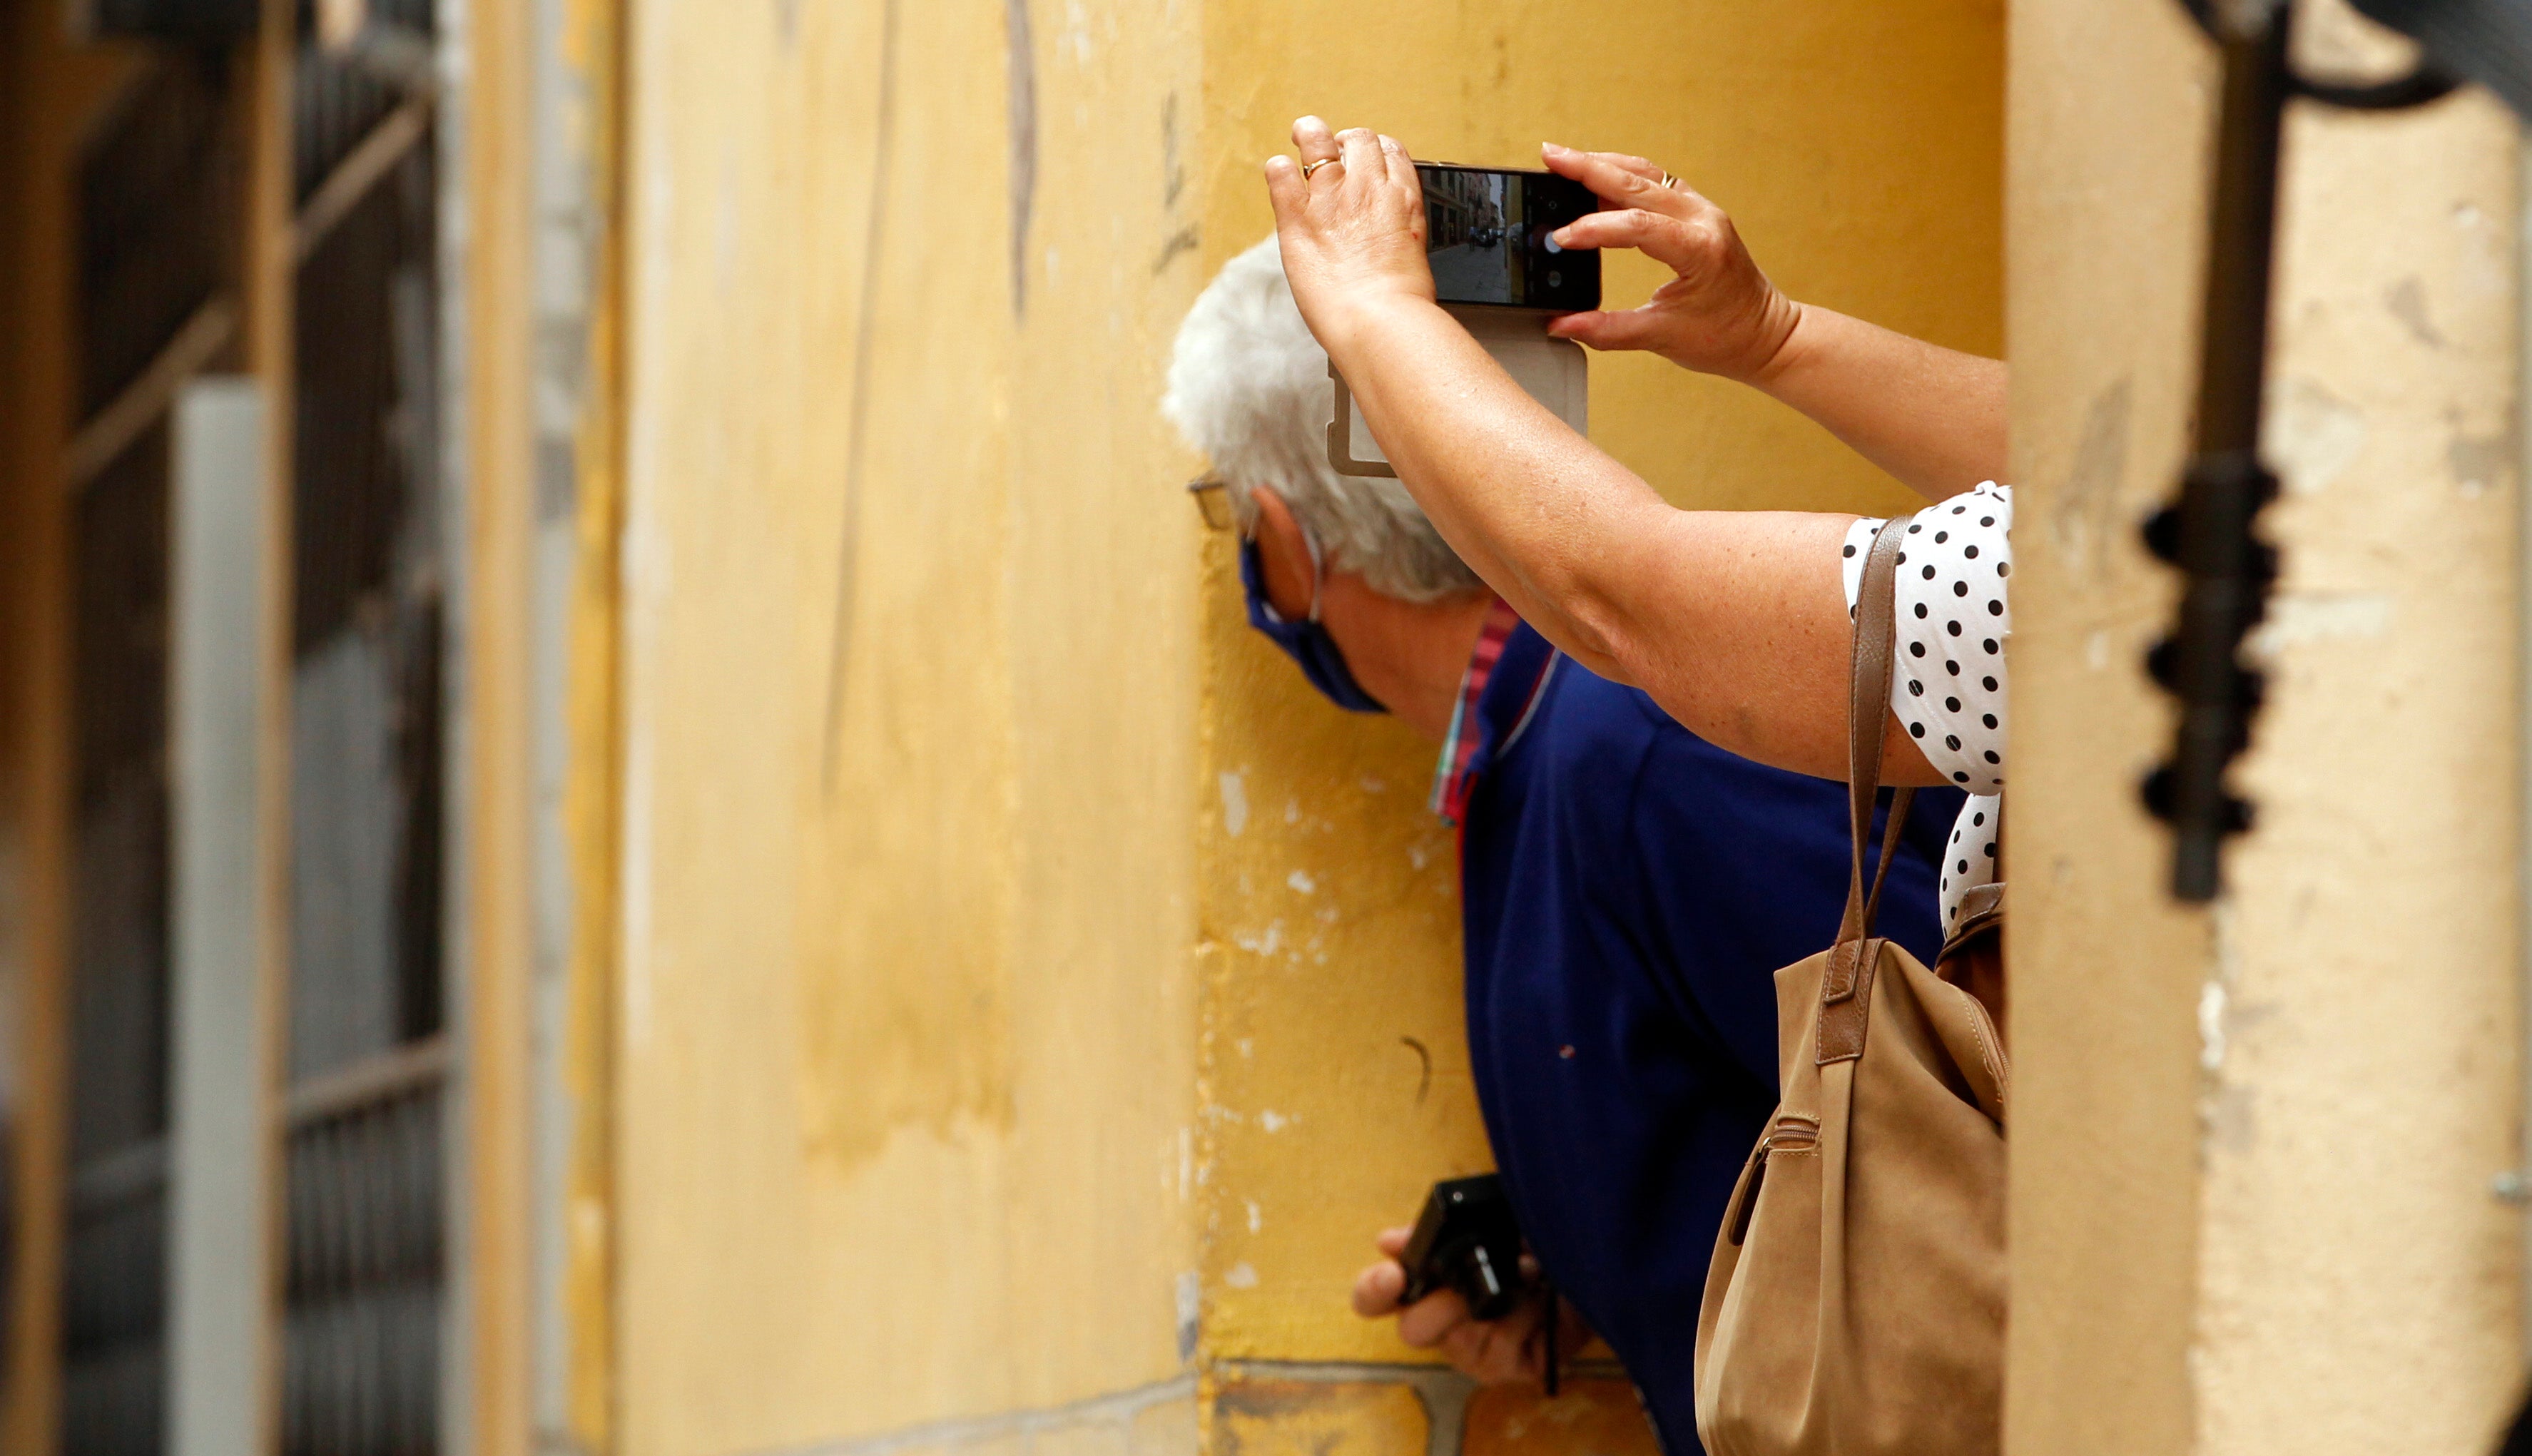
[908, 1022]
[1050, 973]
[2254, 1147]
[2108, 102]
[578, 1388]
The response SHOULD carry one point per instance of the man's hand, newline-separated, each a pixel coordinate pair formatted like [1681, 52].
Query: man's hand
[1496, 1352]
[1718, 314]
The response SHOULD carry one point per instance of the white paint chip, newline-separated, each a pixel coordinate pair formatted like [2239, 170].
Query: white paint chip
[2316, 437]
[1240, 1275]
[2210, 1026]
[1262, 944]
[1301, 880]
[2298, 619]
[1256, 1219]
[1235, 805]
[1272, 1121]
[2097, 649]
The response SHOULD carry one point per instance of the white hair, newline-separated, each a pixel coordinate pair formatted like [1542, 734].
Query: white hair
[1249, 387]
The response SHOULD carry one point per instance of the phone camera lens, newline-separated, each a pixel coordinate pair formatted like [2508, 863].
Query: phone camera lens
[1555, 279]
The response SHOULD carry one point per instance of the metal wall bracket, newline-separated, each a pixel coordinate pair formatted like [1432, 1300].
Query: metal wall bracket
[2210, 533]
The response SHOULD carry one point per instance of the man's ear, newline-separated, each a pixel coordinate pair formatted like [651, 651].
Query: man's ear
[1283, 556]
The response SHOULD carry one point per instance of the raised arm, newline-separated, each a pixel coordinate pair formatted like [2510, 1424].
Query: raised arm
[1735, 621]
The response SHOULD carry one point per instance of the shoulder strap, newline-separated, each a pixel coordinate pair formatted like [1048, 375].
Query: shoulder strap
[1846, 982]
[1867, 712]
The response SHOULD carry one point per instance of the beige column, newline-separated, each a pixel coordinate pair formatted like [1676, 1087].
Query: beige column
[2253, 1146]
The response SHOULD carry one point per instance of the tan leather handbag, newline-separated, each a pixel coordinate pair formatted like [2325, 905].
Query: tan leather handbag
[1856, 1302]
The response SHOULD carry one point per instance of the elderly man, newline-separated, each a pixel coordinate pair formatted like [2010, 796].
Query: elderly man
[1627, 890]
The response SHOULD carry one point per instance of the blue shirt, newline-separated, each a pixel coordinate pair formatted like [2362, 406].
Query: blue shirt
[1629, 892]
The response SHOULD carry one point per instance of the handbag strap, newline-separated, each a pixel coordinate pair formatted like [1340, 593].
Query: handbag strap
[1867, 707]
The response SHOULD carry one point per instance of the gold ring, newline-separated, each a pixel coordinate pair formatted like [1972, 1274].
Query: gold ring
[1325, 161]
[1671, 182]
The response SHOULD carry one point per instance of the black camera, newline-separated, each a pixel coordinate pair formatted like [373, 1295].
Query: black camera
[1488, 235]
[1467, 1239]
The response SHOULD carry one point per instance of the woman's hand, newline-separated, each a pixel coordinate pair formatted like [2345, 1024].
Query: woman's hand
[1930, 416]
[1718, 314]
[1353, 230]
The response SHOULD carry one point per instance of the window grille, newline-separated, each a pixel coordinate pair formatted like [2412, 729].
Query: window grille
[368, 1246]
[363, 1144]
[114, 1267]
[158, 219]
[367, 1059]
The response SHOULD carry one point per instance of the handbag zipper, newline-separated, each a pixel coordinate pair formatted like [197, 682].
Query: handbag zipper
[1794, 1134]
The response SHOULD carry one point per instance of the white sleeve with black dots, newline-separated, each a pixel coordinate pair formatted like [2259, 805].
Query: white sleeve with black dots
[1948, 687]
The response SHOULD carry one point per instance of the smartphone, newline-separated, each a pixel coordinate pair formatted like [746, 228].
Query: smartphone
[1486, 234]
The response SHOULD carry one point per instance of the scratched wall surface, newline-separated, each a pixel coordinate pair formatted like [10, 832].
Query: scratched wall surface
[1032, 997]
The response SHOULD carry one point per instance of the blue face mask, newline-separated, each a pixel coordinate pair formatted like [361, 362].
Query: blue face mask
[1305, 642]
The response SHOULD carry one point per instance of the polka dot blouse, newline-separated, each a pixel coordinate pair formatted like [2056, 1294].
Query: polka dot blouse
[1948, 681]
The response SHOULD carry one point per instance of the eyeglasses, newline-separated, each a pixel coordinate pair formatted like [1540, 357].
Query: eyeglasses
[1212, 500]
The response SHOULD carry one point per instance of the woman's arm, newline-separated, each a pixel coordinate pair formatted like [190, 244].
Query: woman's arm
[1735, 621]
[1933, 417]
[1821, 372]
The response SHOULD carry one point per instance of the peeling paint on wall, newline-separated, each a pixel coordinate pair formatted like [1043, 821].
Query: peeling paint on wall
[2299, 617]
[2089, 511]
[2315, 436]
[1235, 803]
[2407, 301]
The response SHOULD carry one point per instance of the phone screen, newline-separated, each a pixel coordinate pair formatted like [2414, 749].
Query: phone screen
[1486, 235]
